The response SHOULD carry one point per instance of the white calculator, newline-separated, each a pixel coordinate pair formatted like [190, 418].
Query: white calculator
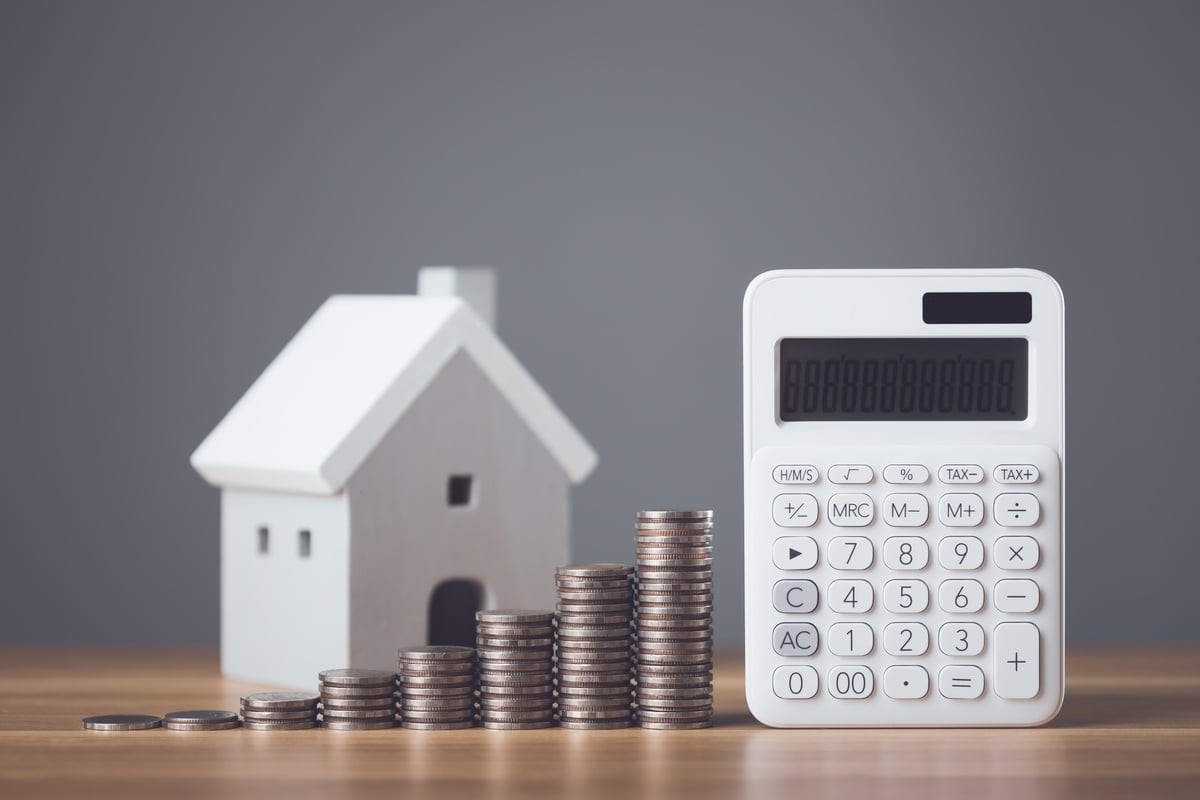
[904, 497]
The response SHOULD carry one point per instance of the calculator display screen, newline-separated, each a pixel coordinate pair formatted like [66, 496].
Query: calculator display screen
[903, 379]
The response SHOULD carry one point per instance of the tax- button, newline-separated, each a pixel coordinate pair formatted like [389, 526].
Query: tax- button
[851, 510]
[960, 473]
[795, 639]
[906, 683]
[960, 510]
[1016, 510]
[794, 597]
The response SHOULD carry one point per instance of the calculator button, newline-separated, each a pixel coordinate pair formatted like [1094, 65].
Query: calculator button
[1017, 657]
[905, 597]
[1015, 552]
[960, 510]
[794, 510]
[905, 473]
[851, 510]
[850, 473]
[795, 474]
[1016, 510]
[905, 552]
[794, 552]
[795, 638]
[1016, 473]
[1016, 596]
[960, 552]
[851, 639]
[960, 473]
[905, 510]
[851, 597]
[961, 639]
[795, 683]
[851, 682]
[960, 682]
[850, 552]
[794, 597]
[906, 639]
[961, 597]
[909, 682]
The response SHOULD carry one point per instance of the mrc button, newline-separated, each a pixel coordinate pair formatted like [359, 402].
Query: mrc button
[851, 510]
[795, 638]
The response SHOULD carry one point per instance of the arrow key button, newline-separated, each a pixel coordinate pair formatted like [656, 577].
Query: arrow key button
[794, 552]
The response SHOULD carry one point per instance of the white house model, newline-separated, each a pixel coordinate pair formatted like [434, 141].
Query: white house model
[392, 471]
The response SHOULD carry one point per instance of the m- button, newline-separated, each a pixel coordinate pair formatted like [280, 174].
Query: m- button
[905, 510]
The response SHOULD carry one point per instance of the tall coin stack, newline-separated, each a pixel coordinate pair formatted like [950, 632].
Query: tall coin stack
[437, 687]
[516, 668]
[279, 711]
[673, 650]
[357, 699]
[595, 619]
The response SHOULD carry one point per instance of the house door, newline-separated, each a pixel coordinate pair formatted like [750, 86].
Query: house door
[452, 608]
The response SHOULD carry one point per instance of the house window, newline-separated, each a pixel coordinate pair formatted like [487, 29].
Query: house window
[264, 539]
[459, 490]
[305, 543]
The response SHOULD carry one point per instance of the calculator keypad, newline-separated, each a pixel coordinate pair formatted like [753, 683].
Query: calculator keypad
[914, 580]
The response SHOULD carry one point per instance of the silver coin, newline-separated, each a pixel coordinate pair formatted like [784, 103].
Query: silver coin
[673, 726]
[121, 722]
[680, 527]
[594, 620]
[359, 725]
[648, 586]
[258, 725]
[492, 704]
[674, 716]
[438, 726]
[602, 596]
[596, 724]
[594, 666]
[517, 715]
[439, 704]
[594, 691]
[664, 613]
[588, 682]
[442, 693]
[525, 679]
[677, 648]
[204, 726]
[487, 654]
[448, 681]
[594, 713]
[676, 575]
[497, 642]
[524, 691]
[280, 701]
[572, 660]
[278, 716]
[595, 703]
[594, 571]
[437, 715]
[593, 584]
[522, 616]
[589, 632]
[436, 652]
[507, 629]
[349, 705]
[499, 667]
[466, 670]
[675, 636]
[201, 717]
[517, 726]
[667, 539]
[338, 693]
[674, 704]
[356, 677]
[601, 648]
[569, 609]
[644, 625]
[675, 513]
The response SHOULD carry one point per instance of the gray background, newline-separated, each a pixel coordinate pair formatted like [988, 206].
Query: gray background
[181, 184]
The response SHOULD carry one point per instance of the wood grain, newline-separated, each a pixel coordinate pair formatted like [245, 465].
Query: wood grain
[1130, 727]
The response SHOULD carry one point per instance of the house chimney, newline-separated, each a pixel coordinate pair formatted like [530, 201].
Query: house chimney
[476, 285]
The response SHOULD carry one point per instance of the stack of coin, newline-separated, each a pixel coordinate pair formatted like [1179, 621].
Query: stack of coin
[200, 720]
[279, 711]
[595, 618]
[516, 668]
[357, 699]
[437, 687]
[673, 650]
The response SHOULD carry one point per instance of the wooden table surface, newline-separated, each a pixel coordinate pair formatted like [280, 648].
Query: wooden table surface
[1130, 727]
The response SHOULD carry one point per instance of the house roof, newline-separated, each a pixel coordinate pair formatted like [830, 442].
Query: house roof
[315, 414]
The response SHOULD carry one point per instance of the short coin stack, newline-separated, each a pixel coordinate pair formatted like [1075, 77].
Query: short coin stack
[516, 668]
[595, 618]
[203, 720]
[279, 711]
[437, 687]
[358, 699]
[674, 619]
